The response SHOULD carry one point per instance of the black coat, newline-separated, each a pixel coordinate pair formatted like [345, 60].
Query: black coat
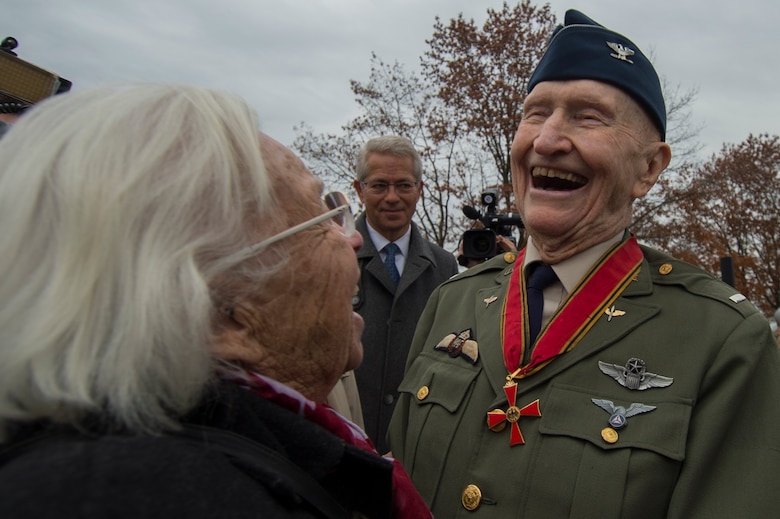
[391, 314]
[113, 475]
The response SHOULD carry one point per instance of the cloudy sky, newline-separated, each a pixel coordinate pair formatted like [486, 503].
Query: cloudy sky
[293, 59]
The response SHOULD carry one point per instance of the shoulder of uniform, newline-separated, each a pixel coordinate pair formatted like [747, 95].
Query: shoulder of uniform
[666, 270]
[501, 263]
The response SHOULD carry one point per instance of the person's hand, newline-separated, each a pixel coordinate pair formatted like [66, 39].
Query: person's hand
[504, 245]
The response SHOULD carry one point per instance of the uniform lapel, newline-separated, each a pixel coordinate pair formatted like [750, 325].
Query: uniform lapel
[488, 316]
[418, 260]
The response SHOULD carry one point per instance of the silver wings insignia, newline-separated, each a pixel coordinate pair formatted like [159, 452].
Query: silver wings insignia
[634, 375]
[618, 415]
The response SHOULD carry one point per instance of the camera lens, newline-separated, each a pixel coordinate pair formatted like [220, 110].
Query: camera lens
[479, 244]
[483, 244]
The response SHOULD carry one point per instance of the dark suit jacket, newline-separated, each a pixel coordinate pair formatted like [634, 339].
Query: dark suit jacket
[390, 315]
[710, 448]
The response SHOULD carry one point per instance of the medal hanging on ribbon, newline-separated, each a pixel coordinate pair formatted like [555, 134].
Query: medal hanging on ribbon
[597, 291]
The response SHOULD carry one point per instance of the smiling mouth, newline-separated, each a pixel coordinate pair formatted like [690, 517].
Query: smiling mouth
[553, 180]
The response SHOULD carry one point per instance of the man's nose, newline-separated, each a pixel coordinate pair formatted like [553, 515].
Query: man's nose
[391, 193]
[553, 136]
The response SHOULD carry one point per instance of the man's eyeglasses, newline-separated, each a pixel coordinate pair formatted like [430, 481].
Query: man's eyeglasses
[339, 213]
[380, 188]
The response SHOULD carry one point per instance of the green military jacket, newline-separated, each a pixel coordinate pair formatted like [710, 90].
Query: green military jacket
[710, 447]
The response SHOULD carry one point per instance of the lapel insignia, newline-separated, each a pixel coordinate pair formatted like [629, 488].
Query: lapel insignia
[619, 415]
[460, 345]
[496, 419]
[634, 375]
[621, 51]
[488, 300]
[611, 312]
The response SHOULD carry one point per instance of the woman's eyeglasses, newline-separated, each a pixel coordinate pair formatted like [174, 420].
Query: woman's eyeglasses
[339, 212]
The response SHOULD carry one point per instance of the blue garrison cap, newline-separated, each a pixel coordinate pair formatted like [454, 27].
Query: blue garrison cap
[584, 49]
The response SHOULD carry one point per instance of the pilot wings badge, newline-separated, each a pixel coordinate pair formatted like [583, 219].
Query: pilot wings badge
[634, 375]
[611, 312]
[621, 51]
[460, 345]
[619, 415]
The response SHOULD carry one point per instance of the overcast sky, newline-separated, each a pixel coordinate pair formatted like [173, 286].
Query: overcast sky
[293, 59]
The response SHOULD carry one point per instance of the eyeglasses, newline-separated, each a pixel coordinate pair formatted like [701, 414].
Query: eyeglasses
[340, 213]
[380, 188]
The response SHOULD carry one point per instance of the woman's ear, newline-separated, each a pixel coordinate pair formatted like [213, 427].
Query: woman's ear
[230, 336]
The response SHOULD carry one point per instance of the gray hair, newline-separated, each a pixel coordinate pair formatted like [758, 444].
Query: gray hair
[388, 145]
[118, 204]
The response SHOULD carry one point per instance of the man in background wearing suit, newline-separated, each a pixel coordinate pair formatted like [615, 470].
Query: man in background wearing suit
[400, 269]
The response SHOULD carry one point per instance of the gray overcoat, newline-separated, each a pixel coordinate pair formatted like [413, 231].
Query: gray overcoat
[391, 315]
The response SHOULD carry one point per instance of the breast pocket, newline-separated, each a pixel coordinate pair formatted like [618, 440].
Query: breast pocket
[599, 458]
[437, 392]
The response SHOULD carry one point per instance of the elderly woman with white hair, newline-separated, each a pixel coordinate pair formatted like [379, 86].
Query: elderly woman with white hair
[176, 307]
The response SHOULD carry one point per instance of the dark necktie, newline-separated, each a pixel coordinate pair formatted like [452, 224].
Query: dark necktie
[390, 251]
[541, 276]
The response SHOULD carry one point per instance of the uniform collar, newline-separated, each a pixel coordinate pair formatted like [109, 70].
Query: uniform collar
[571, 270]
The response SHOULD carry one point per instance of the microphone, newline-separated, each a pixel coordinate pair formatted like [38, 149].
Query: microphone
[471, 213]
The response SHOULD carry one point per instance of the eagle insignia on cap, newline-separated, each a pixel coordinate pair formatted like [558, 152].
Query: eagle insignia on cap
[621, 51]
[460, 345]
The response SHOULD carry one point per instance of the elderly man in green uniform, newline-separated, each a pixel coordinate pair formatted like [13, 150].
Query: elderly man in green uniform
[589, 376]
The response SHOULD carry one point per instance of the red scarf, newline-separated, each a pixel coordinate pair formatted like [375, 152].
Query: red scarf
[599, 289]
[407, 502]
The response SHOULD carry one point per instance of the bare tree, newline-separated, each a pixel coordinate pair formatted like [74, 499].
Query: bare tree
[396, 101]
[482, 75]
[682, 135]
[461, 112]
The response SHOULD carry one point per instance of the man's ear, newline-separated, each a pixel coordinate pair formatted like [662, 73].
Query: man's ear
[658, 157]
[358, 189]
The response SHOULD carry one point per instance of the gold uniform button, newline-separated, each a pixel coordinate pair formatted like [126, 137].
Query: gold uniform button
[510, 257]
[665, 269]
[422, 393]
[471, 498]
[609, 435]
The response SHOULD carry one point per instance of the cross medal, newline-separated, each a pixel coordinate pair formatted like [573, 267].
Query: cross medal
[496, 417]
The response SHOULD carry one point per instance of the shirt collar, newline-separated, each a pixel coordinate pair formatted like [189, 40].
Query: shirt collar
[380, 241]
[571, 270]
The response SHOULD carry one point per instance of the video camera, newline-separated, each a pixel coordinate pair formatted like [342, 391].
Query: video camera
[23, 84]
[481, 243]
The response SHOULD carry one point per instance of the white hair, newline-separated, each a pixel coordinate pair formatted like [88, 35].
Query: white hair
[117, 204]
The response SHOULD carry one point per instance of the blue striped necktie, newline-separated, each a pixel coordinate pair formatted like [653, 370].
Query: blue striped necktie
[390, 251]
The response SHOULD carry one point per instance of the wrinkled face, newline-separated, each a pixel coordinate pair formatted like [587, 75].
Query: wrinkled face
[390, 213]
[583, 151]
[301, 326]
